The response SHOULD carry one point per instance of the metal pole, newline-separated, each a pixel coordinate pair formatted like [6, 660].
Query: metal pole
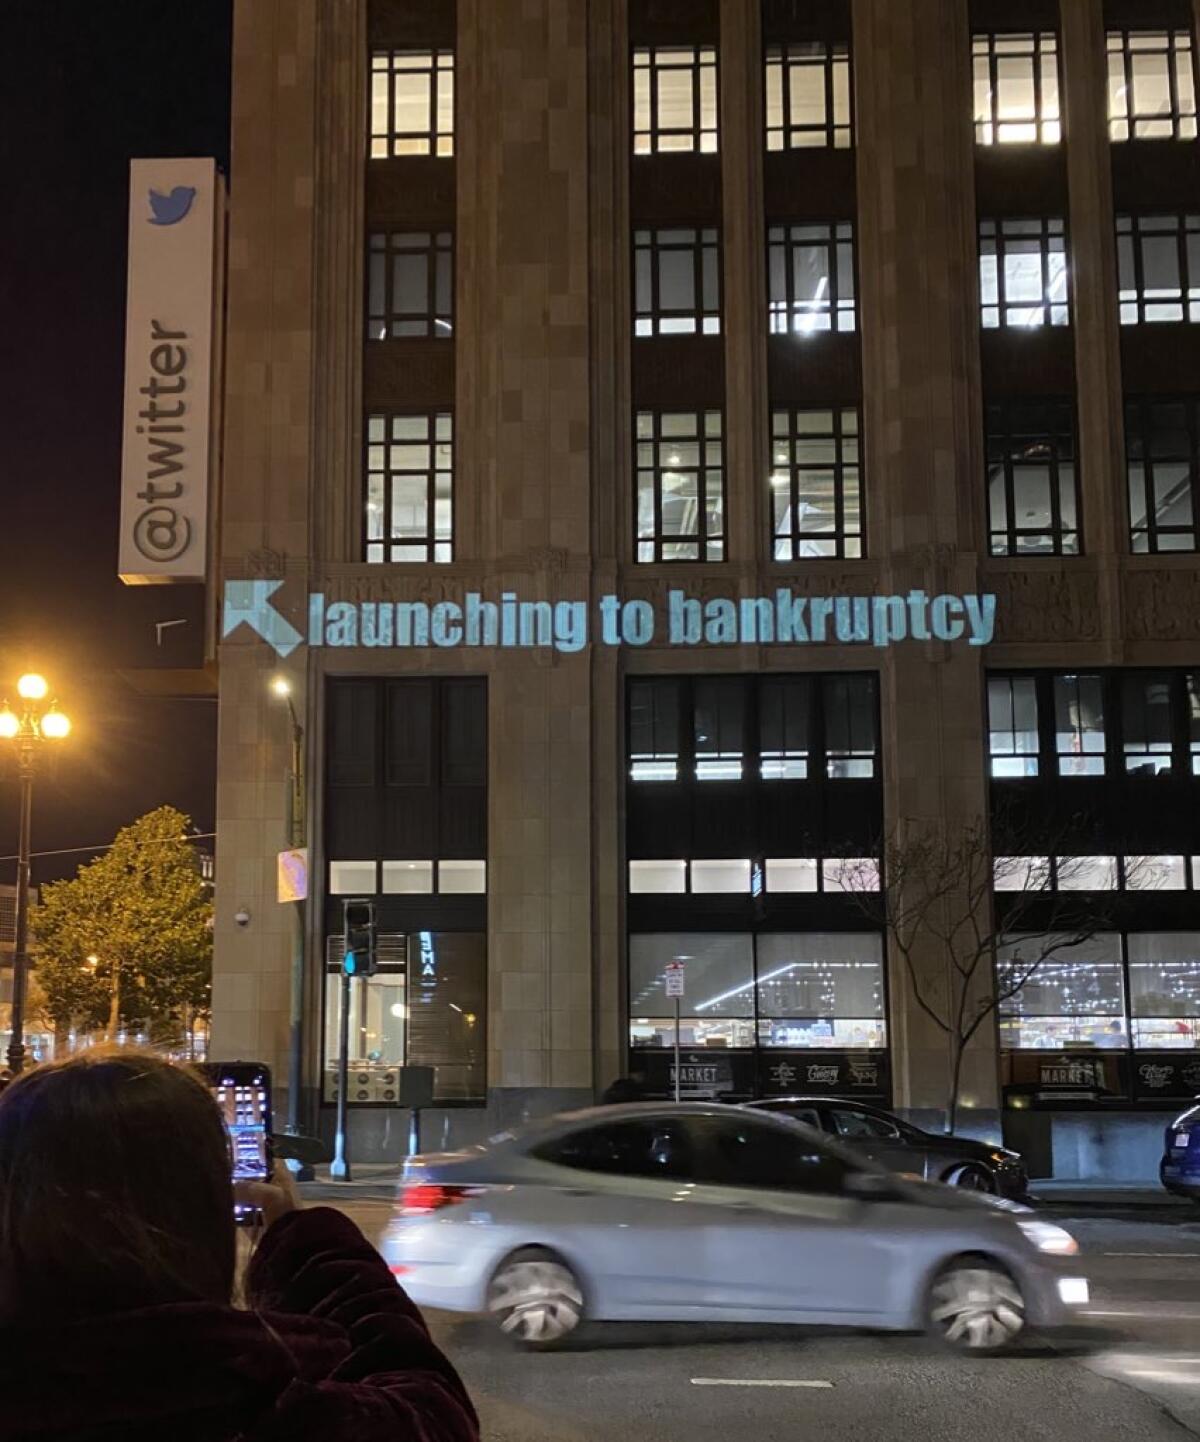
[414, 1132]
[16, 1041]
[676, 1048]
[296, 829]
[341, 1162]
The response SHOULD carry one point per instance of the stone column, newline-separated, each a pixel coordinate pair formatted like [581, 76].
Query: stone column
[923, 452]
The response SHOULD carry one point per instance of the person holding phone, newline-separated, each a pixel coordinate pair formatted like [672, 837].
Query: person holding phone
[117, 1263]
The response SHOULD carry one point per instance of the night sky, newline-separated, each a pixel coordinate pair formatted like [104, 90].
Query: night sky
[84, 86]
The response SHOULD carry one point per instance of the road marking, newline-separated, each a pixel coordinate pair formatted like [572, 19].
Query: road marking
[1156, 1315]
[753, 1382]
[1150, 1254]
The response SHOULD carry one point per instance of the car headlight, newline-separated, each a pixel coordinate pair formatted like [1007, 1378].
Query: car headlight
[999, 1156]
[1046, 1237]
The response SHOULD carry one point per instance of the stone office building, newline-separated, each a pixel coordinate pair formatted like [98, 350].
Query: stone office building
[553, 301]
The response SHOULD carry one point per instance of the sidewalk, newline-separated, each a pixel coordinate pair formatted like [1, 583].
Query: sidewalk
[369, 1181]
[1076, 1192]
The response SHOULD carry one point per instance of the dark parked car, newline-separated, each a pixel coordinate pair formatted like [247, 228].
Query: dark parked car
[961, 1161]
[1179, 1170]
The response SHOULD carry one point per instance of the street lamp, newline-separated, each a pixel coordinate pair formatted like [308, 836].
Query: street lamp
[282, 688]
[33, 722]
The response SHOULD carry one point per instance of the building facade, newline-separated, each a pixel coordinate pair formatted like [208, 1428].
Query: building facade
[603, 381]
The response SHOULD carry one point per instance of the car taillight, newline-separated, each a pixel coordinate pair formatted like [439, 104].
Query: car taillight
[419, 1199]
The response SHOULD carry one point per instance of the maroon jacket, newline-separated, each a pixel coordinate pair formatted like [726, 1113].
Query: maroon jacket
[334, 1352]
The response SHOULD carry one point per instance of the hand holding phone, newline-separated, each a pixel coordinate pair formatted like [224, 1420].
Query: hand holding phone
[242, 1091]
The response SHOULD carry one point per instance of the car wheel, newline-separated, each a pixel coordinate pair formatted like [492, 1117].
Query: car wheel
[535, 1298]
[976, 1307]
[971, 1178]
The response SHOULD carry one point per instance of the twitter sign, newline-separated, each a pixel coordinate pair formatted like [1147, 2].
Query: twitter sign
[174, 211]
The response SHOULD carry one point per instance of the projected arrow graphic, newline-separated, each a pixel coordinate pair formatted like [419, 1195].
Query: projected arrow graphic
[249, 603]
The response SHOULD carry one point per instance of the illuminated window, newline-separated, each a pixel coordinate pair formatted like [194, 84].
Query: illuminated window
[1079, 725]
[410, 471]
[1031, 479]
[462, 878]
[1155, 873]
[1016, 89]
[1023, 273]
[1158, 262]
[850, 873]
[1012, 725]
[680, 486]
[1054, 996]
[820, 989]
[657, 877]
[1085, 873]
[1164, 989]
[653, 730]
[677, 282]
[810, 278]
[1162, 446]
[407, 878]
[410, 285]
[352, 878]
[1021, 873]
[674, 99]
[816, 491]
[1151, 85]
[721, 876]
[791, 873]
[808, 96]
[412, 103]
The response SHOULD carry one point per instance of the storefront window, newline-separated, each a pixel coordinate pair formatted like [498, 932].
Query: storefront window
[377, 1035]
[1164, 988]
[821, 989]
[1076, 995]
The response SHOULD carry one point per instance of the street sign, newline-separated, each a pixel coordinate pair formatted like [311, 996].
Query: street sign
[674, 976]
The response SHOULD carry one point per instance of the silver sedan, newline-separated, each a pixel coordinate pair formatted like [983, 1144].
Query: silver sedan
[705, 1212]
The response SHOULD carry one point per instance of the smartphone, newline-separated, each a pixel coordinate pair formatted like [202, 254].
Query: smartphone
[242, 1090]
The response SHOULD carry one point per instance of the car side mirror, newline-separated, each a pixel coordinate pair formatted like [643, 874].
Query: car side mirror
[870, 1187]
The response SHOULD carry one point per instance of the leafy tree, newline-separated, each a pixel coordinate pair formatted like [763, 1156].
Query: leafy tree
[142, 910]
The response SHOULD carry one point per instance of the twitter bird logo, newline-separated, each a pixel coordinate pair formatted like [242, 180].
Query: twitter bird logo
[170, 209]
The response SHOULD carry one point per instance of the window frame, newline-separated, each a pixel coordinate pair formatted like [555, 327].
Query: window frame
[1132, 304]
[658, 541]
[441, 68]
[704, 61]
[1139, 434]
[438, 547]
[1000, 431]
[984, 48]
[834, 58]
[785, 313]
[704, 247]
[438, 251]
[1118, 47]
[847, 483]
[992, 230]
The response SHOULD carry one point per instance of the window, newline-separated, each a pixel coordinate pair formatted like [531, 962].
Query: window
[791, 873]
[1162, 445]
[1158, 262]
[1164, 988]
[854, 1125]
[653, 730]
[1016, 89]
[663, 878]
[808, 96]
[1079, 725]
[708, 877]
[412, 103]
[1151, 86]
[785, 721]
[720, 723]
[410, 469]
[680, 486]
[1085, 873]
[742, 1152]
[407, 878]
[650, 1147]
[1021, 873]
[1012, 725]
[810, 278]
[462, 878]
[850, 873]
[1031, 479]
[1155, 873]
[851, 741]
[677, 282]
[410, 285]
[722, 876]
[820, 989]
[1023, 273]
[1146, 729]
[674, 99]
[1193, 712]
[718, 1005]
[1076, 994]
[352, 878]
[815, 484]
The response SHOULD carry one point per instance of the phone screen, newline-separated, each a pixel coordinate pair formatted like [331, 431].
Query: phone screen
[243, 1093]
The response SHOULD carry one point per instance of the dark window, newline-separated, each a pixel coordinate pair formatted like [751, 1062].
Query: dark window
[649, 1147]
[680, 486]
[810, 278]
[1079, 725]
[408, 721]
[851, 740]
[677, 282]
[808, 96]
[674, 99]
[785, 727]
[1023, 273]
[1146, 727]
[412, 103]
[410, 477]
[410, 285]
[1151, 85]
[1158, 259]
[849, 1122]
[1162, 444]
[464, 733]
[734, 1152]
[1193, 715]
[816, 488]
[1016, 89]
[720, 722]
[1012, 726]
[653, 730]
[1031, 479]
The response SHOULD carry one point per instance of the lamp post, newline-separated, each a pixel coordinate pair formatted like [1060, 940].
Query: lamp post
[34, 722]
[282, 688]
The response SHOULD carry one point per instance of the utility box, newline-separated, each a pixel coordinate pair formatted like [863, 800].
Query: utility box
[416, 1087]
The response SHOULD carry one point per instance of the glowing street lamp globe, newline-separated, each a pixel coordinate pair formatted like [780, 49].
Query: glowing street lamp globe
[55, 725]
[32, 686]
[9, 723]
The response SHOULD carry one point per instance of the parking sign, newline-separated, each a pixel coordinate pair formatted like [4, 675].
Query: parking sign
[675, 978]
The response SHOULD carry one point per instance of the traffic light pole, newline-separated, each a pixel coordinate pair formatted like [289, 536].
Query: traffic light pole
[340, 1168]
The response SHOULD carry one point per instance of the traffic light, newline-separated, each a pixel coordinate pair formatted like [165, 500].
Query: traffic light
[359, 955]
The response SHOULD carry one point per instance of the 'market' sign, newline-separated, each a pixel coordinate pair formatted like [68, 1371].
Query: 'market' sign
[168, 370]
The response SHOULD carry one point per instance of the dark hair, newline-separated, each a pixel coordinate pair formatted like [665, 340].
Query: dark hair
[114, 1188]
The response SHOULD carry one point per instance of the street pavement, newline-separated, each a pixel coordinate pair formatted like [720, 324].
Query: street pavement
[1134, 1372]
